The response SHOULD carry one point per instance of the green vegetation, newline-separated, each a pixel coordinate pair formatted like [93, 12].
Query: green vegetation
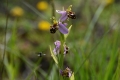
[93, 40]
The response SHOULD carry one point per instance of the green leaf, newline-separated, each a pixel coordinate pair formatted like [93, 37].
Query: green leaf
[53, 73]
[72, 77]
[53, 55]
[66, 35]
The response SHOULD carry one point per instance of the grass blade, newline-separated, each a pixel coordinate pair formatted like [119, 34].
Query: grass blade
[72, 77]
[53, 56]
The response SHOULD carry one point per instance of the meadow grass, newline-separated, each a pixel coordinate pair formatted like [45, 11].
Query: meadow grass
[94, 53]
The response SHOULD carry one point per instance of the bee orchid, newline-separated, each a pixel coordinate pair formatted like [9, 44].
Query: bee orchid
[56, 50]
[57, 25]
[66, 73]
[65, 14]
[57, 47]
[61, 25]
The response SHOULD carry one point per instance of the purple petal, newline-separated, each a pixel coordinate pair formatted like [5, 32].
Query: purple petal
[57, 43]
[57, 47]
[60, 12]
[62, 28]
[69, 74]
[64, 15]
[65, 24]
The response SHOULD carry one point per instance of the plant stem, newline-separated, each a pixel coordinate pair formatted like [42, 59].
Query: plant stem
[53, 8]
[4, 52]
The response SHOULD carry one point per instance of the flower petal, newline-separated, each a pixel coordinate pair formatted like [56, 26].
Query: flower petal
[57, 47]
[64, 15]
[65, 24]
[60, 12]
[69, 74]
[57, 43]
[62, 28]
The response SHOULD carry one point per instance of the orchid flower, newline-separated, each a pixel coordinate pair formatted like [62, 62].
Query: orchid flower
[57, 25]
[65, 14]
[66, 73]
[56, 50]
[61, 25]
[57, 47]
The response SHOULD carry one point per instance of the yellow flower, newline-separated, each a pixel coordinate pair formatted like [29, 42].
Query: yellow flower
[44, 25]
[17, 11]
[107, 2]
[42, 5]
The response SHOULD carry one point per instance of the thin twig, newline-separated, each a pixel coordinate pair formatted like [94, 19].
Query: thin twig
[4, 52]
[53, 8]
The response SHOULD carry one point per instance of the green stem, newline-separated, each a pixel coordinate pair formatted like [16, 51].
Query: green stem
[4, 52]
[53, 8]
[62, 50]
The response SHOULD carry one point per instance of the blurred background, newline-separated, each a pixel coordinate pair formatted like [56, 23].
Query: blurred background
[93, 40]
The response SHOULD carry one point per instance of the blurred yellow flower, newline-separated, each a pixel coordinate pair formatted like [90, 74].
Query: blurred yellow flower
[107, 2]
[44, 25]
[17, 11]
[42, 5]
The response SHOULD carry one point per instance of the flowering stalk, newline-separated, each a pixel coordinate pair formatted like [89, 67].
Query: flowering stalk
[61, 49]
[61, 57]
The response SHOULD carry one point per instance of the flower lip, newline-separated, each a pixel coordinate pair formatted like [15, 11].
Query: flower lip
[66, 73]
[66, 50]
[71, 15]
[53, 28]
